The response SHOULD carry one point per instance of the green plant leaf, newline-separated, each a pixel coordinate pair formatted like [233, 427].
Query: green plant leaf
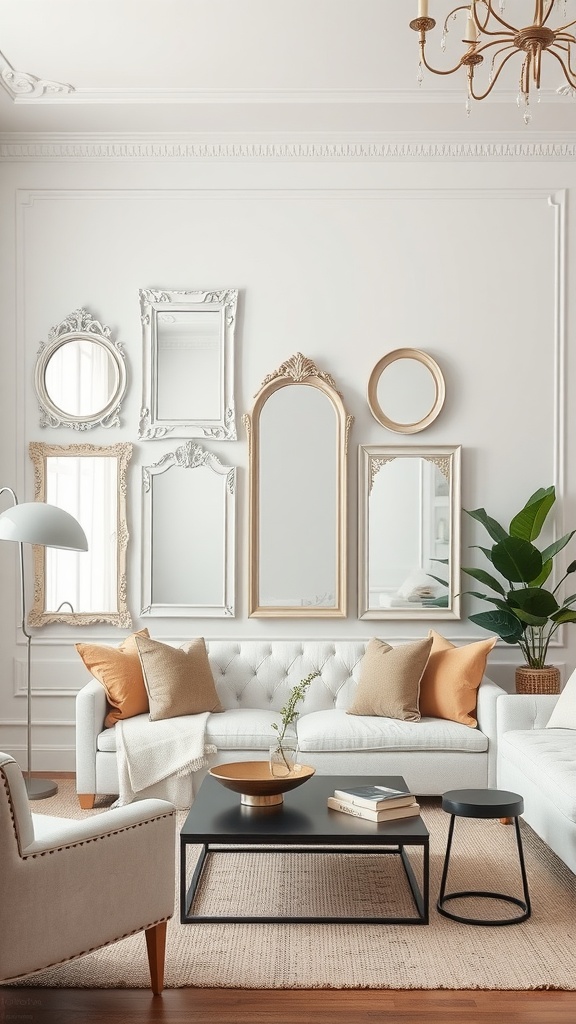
[438, 580]
[557, 546]
[568, 600]
[497, 601]
[527, 524]
[533, 600]
[541, 579]
[493, 527]
[486, 579]
[517, 560]
[504, 623]
[530, 620]
[485, 551]
[565, 615]
[442, 561]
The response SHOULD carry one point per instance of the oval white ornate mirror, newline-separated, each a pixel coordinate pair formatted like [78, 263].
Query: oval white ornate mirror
[406, 390]
[80, 376]
[298, 432]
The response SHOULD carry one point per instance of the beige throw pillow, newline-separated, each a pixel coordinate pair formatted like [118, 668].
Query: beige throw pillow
[178, 680]
[389, 683]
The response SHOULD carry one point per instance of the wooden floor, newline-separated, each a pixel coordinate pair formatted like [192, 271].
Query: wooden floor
[233, 1006]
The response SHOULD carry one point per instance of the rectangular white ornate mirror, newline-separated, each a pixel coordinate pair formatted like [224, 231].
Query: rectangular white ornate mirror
[408, 532]
[188, 364]
[80, 588]
[188, 535]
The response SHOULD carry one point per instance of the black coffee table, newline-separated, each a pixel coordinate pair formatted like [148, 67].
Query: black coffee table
[217, 819]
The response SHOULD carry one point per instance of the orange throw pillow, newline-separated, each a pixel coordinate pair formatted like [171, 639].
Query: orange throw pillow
[120, 672]
[449, 686]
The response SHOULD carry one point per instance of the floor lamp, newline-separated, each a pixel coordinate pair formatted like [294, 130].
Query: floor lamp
[35, 522]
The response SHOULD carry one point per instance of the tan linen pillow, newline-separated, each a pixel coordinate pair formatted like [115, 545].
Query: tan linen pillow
[178, 680]
[449, 686]
[390, 680]
[120, 672]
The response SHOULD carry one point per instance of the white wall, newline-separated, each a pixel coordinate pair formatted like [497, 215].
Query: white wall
[340, 259]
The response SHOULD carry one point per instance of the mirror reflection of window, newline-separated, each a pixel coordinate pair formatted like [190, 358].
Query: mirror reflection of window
[87, 487]
[81, 377]
[298, 476]
[189, 365]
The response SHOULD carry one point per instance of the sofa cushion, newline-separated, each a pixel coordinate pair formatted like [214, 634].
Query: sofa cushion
[564, 713]
[389, 681]
[242, 729]
[178, 680]
[120, 672]
[449, 686]
[548, 758]
[336, 730]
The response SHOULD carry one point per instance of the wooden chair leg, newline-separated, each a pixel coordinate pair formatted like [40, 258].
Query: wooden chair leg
[506, 821]
[86, 800]
[156, 946]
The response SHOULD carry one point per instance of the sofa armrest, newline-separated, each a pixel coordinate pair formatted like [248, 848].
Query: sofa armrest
[489, 694]
[90, 715]
[524, 711]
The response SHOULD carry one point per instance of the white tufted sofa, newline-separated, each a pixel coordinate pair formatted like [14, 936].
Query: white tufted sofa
[254, 678]
[540, 764]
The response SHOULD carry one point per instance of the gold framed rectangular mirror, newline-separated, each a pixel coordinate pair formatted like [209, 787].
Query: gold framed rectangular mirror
[408, 532]
[81, 588]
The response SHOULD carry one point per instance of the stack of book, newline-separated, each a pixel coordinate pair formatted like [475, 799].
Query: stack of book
[375, 803]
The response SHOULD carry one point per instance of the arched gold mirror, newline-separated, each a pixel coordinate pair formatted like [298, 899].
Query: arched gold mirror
[406, 390]
[80, 376]
[298, 440]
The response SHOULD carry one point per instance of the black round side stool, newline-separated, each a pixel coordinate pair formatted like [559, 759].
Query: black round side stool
[483, 803]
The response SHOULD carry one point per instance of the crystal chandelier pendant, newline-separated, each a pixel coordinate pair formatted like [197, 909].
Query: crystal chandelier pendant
[420, 75]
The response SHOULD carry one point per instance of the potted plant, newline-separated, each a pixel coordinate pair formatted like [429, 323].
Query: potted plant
[283, 751]
[526, 612]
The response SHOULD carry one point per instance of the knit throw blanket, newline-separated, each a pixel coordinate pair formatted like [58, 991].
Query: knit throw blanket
[158, 758]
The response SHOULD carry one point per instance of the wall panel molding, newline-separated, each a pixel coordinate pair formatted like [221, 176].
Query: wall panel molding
[44, 147]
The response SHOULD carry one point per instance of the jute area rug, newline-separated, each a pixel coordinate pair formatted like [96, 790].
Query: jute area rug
[540, 953]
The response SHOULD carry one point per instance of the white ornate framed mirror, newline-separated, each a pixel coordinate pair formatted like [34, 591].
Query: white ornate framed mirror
[408, 532]
[298, 441]
[188, 535]
[80, 375]
[406, 390]
[90, 482]
[188, 364]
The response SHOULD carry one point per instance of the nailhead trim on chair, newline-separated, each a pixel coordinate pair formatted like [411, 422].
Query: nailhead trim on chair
[96, 839]
[11, 805]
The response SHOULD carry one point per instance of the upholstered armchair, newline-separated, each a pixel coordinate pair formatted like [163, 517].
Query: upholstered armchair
[69, 887]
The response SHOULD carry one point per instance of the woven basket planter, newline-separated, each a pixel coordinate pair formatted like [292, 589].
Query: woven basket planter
[537, 680]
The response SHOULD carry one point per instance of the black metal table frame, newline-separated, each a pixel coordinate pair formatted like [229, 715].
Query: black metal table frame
[420, 896]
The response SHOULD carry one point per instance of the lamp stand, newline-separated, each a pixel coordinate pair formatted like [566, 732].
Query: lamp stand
[37, 789]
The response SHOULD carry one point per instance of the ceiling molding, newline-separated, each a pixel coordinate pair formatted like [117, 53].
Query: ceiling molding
[22, 85]
[47, 147]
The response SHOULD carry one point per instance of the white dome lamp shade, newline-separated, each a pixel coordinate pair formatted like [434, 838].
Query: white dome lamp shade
[36, 522]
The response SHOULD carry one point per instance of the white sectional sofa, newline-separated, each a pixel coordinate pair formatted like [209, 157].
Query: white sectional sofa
[540, 764]
[254, 678]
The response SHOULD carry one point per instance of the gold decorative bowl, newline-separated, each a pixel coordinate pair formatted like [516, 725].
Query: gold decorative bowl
[255, 782]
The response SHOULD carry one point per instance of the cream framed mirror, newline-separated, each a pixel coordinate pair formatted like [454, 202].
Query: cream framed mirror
[188, 535]
[80, 375]
[188, 364]
[90, 482]
[298, 441]
[408, 532]
[406, 390]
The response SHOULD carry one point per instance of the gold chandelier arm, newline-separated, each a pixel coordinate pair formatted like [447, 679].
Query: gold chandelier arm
[490, 12]
[482, 96]
[436, 71]
[568, 73]
[564, 34]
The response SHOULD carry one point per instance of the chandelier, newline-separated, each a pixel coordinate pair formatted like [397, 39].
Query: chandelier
[487, 34]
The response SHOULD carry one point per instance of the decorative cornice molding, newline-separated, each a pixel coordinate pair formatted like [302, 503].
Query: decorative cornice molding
[21, 84]
[45, 148]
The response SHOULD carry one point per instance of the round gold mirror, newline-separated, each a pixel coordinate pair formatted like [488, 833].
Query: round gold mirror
[406, 390]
